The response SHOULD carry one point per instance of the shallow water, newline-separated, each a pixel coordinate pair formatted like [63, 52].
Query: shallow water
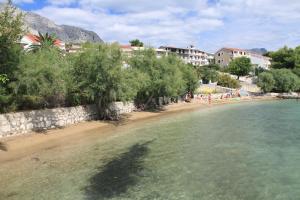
[233, 152]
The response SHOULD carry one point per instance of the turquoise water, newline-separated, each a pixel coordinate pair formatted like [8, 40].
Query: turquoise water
[248, 151]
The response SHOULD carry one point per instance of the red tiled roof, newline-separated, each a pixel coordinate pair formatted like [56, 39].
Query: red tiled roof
[127, 46]
[233, 49]
[35, 39]
[32, 38]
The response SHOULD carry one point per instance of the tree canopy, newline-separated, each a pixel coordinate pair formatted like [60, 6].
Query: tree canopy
[9, 49]
[240, 66]
[136, 43]
[167, 76]
[283, 58]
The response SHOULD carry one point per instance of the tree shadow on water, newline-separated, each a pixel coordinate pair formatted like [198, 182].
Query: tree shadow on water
[114, 178]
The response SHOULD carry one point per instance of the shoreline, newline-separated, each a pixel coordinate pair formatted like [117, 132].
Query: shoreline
[21, 146]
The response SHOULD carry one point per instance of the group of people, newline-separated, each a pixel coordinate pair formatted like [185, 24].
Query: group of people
[209, 97]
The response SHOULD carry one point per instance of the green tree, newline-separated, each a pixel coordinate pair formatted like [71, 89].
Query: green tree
[136, 43]
[240, 66]
[297, 71]
[208, 75]
[283, 58]
[190, 77]
[166, 77]
[285, 80]
[9, 49]
[266, 81]
[226, 81]
[41, 80]
[98, 75]
[297, 57]
[11, 31]
[212, 66]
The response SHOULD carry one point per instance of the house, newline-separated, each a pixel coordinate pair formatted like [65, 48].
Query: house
[225, 55]
[189, 55]
[30, 39]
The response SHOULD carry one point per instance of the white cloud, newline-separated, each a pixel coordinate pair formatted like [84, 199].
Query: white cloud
[238, 23]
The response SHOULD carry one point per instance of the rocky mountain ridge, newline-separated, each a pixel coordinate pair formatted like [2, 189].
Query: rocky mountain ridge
[35, 23]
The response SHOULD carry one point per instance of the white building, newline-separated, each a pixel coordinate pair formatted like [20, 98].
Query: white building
[225, 55]
[189, 55]
[129, 50]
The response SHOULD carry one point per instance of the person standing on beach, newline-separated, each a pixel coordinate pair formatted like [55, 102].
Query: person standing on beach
[209, 98]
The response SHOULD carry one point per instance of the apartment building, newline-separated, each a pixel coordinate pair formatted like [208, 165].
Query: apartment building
[225, 55]
[189, 55]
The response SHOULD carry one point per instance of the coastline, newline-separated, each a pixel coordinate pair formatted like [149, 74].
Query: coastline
[22, 146]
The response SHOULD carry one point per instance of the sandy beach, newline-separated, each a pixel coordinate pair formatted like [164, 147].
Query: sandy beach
[22, 146]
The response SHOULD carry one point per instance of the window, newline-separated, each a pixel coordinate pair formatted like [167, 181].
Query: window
[219, 54]
[219, 61]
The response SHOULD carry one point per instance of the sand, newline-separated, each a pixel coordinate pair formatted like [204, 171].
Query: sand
[22, 146]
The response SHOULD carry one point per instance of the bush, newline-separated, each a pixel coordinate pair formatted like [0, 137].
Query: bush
[6, 103]
[41, 74]
[26, 102]
[297, 71]
[226, 81]
[285, 80]
[266, 81]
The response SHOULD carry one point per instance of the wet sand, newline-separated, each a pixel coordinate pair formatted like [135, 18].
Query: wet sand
[22, 146]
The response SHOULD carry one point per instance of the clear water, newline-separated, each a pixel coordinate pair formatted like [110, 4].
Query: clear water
[234, 152]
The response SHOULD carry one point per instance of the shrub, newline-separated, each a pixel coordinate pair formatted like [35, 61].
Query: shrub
[266, 81]
[41, 74]
[26, 102]
[226, 81]
[285, 80]
[297, 71]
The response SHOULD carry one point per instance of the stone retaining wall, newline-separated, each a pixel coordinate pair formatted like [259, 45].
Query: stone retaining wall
[39, 120]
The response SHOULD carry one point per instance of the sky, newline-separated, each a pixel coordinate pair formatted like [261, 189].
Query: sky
[207, 24]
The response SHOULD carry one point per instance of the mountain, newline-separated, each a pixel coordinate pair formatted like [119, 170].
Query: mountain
[70, 34]
[260, 51]
[36, 23]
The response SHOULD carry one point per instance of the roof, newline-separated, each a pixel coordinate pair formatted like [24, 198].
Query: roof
[249, 52]
[32, 38]
[127, 46]
[232, 49]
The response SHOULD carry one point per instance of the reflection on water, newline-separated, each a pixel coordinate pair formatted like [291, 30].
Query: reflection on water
[234, 152]
[115, 177]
